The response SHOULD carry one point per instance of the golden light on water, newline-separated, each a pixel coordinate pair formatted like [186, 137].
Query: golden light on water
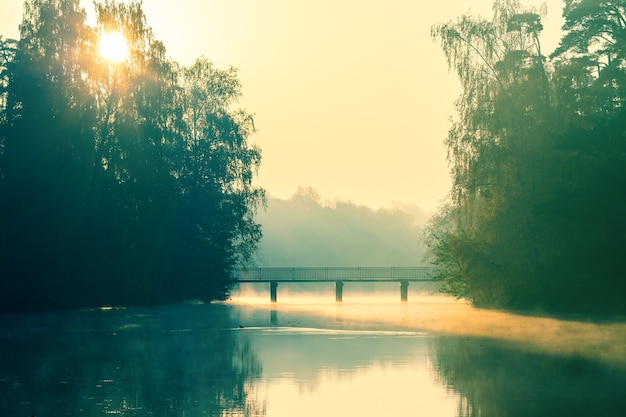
[113, 47]
[374, 389]
[443, 315]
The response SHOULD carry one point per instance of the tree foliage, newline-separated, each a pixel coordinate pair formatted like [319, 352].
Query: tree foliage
[123, 182]
[536, 218]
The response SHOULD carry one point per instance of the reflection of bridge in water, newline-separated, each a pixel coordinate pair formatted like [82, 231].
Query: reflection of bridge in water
[338, 275]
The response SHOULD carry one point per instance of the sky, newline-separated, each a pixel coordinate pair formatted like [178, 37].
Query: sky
[350, 97]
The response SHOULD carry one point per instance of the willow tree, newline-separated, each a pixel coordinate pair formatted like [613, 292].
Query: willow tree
[503, 116]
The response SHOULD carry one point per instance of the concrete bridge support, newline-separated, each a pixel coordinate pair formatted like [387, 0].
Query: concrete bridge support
[339, 291]
[404, 290]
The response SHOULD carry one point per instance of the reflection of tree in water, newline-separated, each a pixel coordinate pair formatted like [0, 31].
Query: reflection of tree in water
[182, 361]
[498, 379]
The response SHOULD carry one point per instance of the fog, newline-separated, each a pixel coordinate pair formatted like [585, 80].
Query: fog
[601, 339]
[306, 231]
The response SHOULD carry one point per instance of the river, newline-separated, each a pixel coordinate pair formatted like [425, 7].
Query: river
[432, 356]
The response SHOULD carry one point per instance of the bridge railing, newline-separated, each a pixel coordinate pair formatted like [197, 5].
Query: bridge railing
[335, 274]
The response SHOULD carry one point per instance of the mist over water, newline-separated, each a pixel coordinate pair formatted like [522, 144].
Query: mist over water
[315, 293]
[378, 305]
[438, 356]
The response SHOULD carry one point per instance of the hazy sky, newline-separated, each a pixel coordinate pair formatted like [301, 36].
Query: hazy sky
[351, 97]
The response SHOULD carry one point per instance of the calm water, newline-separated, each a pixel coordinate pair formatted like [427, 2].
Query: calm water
[244, 360]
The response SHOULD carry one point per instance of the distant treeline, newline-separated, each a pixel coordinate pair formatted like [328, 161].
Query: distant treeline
[120, 182]
[305, 231]
[537, 214]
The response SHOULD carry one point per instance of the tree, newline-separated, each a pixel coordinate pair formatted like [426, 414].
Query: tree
[537, 159]
[503, 116]
[45, 158]
[596, 36]
[215, 207]
[132, 191]
[127, 182]
[590, 73]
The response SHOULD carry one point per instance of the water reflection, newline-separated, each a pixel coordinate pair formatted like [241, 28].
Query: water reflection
[218, 360]
[182, 361]
[495, 378]
[273, 315]
[311, 372]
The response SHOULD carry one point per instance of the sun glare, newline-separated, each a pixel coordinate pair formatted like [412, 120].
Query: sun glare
[113, 47]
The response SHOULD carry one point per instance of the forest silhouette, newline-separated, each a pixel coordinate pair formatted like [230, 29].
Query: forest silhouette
[122, 183]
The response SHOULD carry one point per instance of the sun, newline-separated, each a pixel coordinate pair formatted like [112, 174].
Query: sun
[113, 47]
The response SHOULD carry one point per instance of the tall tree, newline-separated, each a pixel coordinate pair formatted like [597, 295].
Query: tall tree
[502, 113]
[217, 199]
[590, 75]
[132, 195]
[46, 151]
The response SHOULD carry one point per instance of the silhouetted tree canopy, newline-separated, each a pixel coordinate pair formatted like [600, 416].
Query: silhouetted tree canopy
[122, 182]
[537, 214]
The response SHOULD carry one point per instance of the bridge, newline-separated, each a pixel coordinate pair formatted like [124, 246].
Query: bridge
[338, 275]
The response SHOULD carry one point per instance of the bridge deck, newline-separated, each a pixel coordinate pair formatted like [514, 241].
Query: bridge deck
[335, 274]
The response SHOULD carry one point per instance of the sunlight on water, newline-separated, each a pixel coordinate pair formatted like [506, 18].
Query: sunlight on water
[315, 371]
[419, 384]
[324, 293]
[604, 340]
[373, 391]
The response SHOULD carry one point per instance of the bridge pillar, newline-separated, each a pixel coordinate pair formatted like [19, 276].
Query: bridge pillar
[339, 291]
[404, 291]
[273, 286]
